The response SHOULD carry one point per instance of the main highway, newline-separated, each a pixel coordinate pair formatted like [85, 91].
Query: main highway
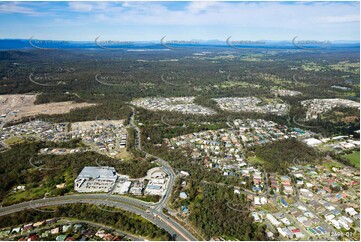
[128, 204]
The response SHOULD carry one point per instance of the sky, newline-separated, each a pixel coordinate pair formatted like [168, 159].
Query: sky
[150, 21]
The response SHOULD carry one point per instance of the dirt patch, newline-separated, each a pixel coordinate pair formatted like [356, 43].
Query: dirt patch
[350, 119]
[18, 106]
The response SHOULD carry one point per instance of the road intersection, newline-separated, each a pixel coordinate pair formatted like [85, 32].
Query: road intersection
[150, 211]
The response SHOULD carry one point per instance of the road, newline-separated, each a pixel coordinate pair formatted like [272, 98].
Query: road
[292, 219]
[324, 223]
[156, 217]
[165, 165]
[302, 125]
[138, 133]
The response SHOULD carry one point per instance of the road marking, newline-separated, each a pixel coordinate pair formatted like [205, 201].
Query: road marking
[165, 221]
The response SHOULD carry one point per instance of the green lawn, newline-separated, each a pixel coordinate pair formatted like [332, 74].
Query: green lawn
[354, 158]
[13, 140]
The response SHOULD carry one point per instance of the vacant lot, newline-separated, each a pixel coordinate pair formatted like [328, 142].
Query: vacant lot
[16, 107]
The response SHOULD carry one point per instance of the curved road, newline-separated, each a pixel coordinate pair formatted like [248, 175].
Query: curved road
[165, 165]
[147, 212]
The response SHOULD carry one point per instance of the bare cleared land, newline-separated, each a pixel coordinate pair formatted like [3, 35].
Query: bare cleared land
[18, 106]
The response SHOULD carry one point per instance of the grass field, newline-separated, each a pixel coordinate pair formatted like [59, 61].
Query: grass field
[255, 160]
[268, 207]
[354, 158]
[124, 154]
[13, 140]
[21, 196]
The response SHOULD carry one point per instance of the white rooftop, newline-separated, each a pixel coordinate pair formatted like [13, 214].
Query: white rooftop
[99, 172]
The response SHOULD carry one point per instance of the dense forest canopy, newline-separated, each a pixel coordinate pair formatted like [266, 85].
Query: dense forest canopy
[280, 155]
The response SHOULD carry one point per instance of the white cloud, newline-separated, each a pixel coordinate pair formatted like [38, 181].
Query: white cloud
[89, 7]
[341, 19]
[188, 20]
[12, 7]
[196, 7]
[272, 14]
[245, 19]
[81, 6]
